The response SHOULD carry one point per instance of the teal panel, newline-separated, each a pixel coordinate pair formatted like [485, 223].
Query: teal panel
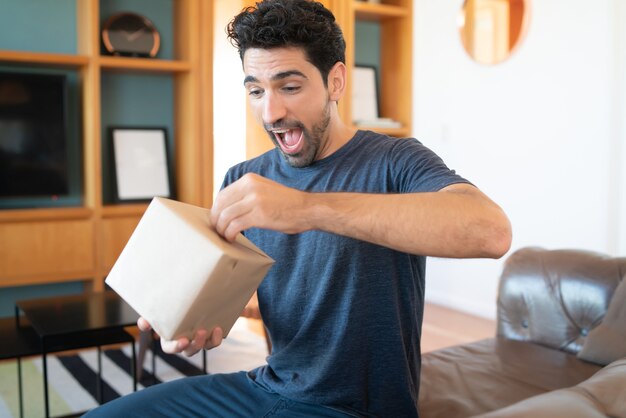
[10, 295]
[74, 143]
[38, 25]
[367, 45]
[134, 100]
[160, 12]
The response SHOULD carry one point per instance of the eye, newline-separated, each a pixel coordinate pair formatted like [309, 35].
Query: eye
[291, 89]
[255, 92]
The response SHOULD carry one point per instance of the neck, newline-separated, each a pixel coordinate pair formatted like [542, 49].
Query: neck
[338, 134]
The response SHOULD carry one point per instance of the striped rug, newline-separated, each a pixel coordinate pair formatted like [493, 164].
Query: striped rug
[72, 377]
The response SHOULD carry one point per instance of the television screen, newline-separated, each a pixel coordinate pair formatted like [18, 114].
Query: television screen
[33, 136]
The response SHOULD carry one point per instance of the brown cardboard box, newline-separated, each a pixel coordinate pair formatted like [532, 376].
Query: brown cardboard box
[180, 275]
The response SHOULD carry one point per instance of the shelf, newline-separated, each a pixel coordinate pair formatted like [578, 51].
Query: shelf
[377, 12]
[397, 132]
[44, 59]
[123, 210]
[26, 215]
[143, 64]
[46, 279]
[380, 35]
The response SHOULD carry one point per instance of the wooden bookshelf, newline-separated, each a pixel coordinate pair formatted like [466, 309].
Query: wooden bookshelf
[39, 246]
[124, 64]
[44, 59]
[24, 215]
[395, 19]
[379, 11]
[123, 210]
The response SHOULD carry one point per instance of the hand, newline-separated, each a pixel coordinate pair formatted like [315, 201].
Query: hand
[202, 340]
[251, 309]
[254, 201]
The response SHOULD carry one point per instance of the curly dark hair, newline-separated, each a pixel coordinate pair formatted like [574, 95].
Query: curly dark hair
[290, 23]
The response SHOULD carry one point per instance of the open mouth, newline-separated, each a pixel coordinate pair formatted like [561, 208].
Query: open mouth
[290, 141]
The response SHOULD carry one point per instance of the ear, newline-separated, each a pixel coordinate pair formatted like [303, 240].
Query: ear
[337, 81]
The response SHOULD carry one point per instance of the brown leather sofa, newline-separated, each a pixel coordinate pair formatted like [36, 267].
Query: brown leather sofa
[550, 307]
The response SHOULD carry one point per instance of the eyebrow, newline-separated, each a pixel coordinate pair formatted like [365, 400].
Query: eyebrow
[275, 77]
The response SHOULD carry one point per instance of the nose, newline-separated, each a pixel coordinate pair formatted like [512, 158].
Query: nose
[273, 108]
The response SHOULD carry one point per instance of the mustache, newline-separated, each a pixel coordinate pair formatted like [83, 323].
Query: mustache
[283, 125]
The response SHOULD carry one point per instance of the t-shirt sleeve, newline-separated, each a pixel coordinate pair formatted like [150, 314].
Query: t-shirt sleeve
[415, 168]
[232, 175]
[259, 165]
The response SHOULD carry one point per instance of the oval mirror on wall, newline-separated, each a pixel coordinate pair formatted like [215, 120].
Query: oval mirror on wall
[492, 29]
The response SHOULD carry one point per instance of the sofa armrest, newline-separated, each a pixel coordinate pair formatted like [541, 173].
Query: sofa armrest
[555, 297]
[487, 375]
[602, 395]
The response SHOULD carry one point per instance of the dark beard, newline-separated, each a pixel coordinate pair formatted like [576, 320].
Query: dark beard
[313, 139]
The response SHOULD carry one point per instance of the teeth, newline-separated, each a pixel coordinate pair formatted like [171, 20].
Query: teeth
[281, 131]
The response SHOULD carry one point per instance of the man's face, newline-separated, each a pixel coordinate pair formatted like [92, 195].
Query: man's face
[288, 96]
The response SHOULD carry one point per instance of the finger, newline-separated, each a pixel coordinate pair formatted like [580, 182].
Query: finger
[216, 338]
[226, 197]
[216, 209]
[234, 219]
[226, 206]
[174, 346]
[221, 216]
[142, 324]
[238, 225]
[197, 343]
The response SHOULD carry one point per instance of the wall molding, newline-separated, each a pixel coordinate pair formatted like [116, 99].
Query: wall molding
[454, 301]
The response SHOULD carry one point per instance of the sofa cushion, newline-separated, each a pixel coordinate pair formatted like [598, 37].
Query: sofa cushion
[607, 342]
[555, 297]
[602, 395]
[479, 377]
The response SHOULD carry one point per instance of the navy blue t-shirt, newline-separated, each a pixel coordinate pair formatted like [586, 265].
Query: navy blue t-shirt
[344, 315]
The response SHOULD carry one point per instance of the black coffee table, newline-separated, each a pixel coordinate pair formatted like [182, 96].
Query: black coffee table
[79, 321]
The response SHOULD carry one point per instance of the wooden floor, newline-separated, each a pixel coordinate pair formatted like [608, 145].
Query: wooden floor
[444, 327]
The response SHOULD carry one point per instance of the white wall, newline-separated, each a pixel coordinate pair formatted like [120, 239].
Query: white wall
[619, 26]
[538, 133]
[229, 105]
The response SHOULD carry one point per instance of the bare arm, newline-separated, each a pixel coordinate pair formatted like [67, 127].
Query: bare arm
[458, 221]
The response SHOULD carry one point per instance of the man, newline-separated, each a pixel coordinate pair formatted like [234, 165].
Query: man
[349, 216]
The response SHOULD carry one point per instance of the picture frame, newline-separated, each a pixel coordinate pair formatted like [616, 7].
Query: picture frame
[365, 96]
[141, 167]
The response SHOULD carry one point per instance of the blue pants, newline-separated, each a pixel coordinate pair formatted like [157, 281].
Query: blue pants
[218, 395]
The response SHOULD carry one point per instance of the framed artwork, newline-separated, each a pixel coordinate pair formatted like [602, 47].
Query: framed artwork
[364, 95]
[141, 165]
